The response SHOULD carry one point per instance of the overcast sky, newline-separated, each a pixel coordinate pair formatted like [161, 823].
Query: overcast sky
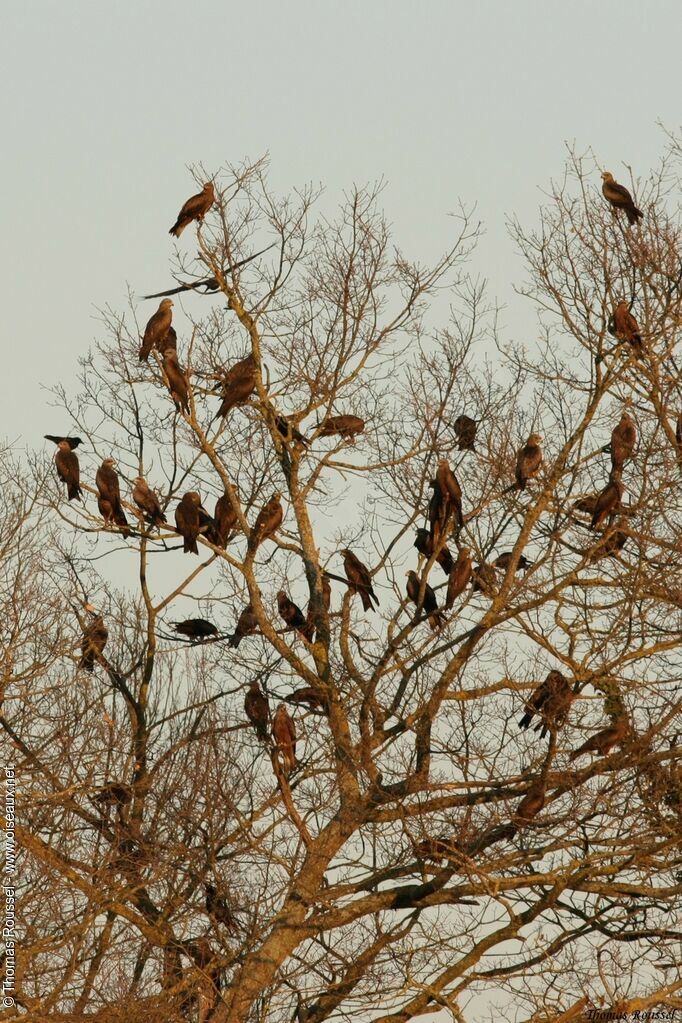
[107, 104]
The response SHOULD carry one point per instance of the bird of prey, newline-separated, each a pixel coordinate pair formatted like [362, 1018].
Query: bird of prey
[177, 381]
[68, 468]
[114, 794]
[156, 331]
[483, 579]
[504, 561]
[73, 442]
[346, 426]
[109, 496]
[188, 521]
[603, 742]
[528, 460]
[612, 542]
[359, 580]
[429, 604]
[94, 640]
[465, 431]
[257, 710]
[459, 577]
[619, 197]
[225, 520]
[196, 208]
[195, 628]
[626, 328]
[425, 546]
[209, 284]
[442, 848]
[293, 616]
[284, 734]
[532, 802]
[623, 440]
[268, 520]
[147, 501]
[608, 501]
[218, 909]
[239, 383]
[551, 700]
[309, 697]
[437, 511]
[451, 492]
[247, 624]
[288, 431]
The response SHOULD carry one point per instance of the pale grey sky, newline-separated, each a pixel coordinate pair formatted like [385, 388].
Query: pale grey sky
[106, 104]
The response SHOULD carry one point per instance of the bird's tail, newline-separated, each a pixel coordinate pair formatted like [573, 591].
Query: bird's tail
[525, 720]
[178, 227]
[74, 492]
[634, 215]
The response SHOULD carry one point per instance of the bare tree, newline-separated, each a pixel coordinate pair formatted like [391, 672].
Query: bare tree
[382, 840]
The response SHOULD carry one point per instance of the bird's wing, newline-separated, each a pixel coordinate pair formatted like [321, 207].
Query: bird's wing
[210, 283]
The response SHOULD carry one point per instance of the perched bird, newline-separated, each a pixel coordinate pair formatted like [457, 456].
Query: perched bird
[268, 521]
[247, 624]
[626, 328]
[196, 208]
[465, 431]
[309, 697]
[551, 700]
[586, 504]
[208, 284]
[177, 381]
[608, 501]
[73, 442]
[425, 546]
[459, 577]
[359, 580]
[188, 521]
[257, 710]
[114, 794]
[528, 460]
[94, 640]
[288, 431]
[156, 331]
[483, 579]
[612, 542]
[451, 492]
[109, 496]
[345, 426]
[225, 520]
[195, 628]
[238, 383]
[504, 561]
[208, 528]
[623, 440]
[437, 511]
[293, 616]
[429, 604]
[147, 501]
[284, 734]
[438, 849]
[603, 742]
[218, 909]
[619, 197]
[532, 802]
[68, 469]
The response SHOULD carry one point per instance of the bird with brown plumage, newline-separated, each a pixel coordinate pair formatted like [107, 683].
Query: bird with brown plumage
[623, 440]
[188, 521]
[528, 460]
[309, 697]
[437, 511]
[238, 384]
[94, 640]
[484, 579]
[218, 909]
[114, 794]
[157, 330]
[533, 801]
[619, 197]
[68, 469]
[359, 579]
[147, 501]
[268, 521]
[465, 431]
[429, 603]
[602, 742]
[347, 427]
[626, 328]
[257, 710]
[426, 546]
[195, 629]
[292, 615]
[612, 542]
[459, 577]
[225, 520]
[109, 496]
[504, 561]
[284, 734]
[551, 701]
[608, 500]
[451, 493]
[196, 208]
[73, 442]
[288, 432]
[247, 624]
[176, 379]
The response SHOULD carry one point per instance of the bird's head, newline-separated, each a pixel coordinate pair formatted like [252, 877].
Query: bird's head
[109, 463]
[464, 552]
[167, 303]
[606, 176]
[535, 438]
